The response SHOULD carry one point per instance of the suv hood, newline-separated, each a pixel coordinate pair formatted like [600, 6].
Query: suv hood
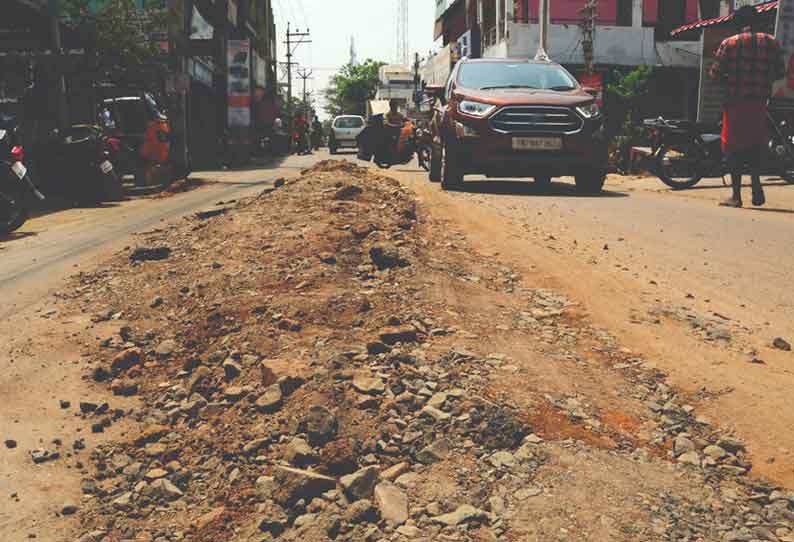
[514, 96]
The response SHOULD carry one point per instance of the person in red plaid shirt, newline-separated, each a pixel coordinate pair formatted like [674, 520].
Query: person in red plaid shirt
[746, 64]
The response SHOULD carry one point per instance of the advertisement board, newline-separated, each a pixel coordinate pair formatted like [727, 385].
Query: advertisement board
[239, 83]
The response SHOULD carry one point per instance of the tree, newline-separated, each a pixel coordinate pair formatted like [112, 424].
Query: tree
[624, 104]
[123, 38]
[352, 87]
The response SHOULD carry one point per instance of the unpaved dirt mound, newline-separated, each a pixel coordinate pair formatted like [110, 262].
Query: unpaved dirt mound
[301, 377]
[339, 166]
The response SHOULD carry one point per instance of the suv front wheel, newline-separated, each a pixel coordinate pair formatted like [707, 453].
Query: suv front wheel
[451, 172]
[590, 183]
[436, 157]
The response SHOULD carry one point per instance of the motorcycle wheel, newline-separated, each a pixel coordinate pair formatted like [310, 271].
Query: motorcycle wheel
[423, 154]
[113, 188]
[678, 166]
[13, 208]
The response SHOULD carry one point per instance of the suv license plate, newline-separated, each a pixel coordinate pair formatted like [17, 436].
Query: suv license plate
[20, 169]
[537, 143]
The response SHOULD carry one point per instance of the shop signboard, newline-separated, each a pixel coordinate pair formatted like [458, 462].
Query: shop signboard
[239, 83]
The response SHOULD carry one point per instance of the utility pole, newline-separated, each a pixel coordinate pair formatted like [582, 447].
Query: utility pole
[543, 22]
[291, 46]
[417, 81]
[588, 32]
[305, 75]
[60, 80]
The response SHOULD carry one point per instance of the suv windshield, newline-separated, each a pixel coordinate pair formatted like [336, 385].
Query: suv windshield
[349, 122]
[493, 75]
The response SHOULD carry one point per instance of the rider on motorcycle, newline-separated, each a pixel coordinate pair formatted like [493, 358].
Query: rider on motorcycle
[393, 123]
[301, 134]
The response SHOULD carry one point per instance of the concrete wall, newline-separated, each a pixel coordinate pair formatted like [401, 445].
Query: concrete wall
[614, 45]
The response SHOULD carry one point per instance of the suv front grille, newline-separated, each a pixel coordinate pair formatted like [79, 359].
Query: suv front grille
[528, 119]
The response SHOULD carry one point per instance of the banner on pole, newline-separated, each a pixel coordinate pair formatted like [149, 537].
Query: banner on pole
[239, 83]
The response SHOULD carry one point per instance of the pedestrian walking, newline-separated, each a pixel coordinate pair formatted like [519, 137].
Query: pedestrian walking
[746, 65]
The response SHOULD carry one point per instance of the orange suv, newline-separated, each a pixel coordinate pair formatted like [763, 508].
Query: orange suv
[516, 118]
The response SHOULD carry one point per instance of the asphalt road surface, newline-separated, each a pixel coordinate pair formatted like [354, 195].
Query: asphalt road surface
[35, 260]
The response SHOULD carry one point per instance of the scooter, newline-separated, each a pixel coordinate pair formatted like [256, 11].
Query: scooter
[16, 187]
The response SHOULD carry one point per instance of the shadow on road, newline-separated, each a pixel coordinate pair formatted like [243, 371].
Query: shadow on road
[16, 236]
[771, 210]
[767, 182]
[528, 188]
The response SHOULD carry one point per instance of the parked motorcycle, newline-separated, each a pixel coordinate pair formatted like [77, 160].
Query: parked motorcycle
[16, 187]
[683, 152]
[77, 165]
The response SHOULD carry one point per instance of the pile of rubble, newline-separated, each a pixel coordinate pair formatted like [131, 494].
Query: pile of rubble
[297, 382]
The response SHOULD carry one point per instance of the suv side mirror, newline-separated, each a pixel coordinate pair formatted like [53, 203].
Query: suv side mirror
[436, 91]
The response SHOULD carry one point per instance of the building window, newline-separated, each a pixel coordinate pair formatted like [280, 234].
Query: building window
[672, 13]
[709, 9]
[625, 11]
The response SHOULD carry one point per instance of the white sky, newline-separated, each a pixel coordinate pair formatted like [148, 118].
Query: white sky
[333, 22]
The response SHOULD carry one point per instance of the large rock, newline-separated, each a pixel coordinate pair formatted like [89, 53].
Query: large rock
[293, 485]
[392, 503]
[394, 335]
[231, 369]
[464, 514]
[395, 471]
[369, 385]
[166, 348]
[682, 445]
[272, 519]
[387, 257]
[321, 426]
[165, 489]
[299, 453]
[198, 376]
[362, 511]
[438, 451]
[270, 401]
[361, 483]
[126, 359]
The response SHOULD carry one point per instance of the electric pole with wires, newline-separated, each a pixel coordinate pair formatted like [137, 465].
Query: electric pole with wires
[305, 75]
[293, 40]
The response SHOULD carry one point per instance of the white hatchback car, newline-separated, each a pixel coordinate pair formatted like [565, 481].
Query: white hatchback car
[344, 131]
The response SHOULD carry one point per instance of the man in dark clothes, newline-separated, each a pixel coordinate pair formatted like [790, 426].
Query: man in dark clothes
[746, 64]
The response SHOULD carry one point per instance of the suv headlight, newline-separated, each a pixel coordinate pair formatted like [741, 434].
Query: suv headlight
[589, 111]
[475, 109]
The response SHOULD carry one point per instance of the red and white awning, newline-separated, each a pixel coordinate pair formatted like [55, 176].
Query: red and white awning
[761, 8]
